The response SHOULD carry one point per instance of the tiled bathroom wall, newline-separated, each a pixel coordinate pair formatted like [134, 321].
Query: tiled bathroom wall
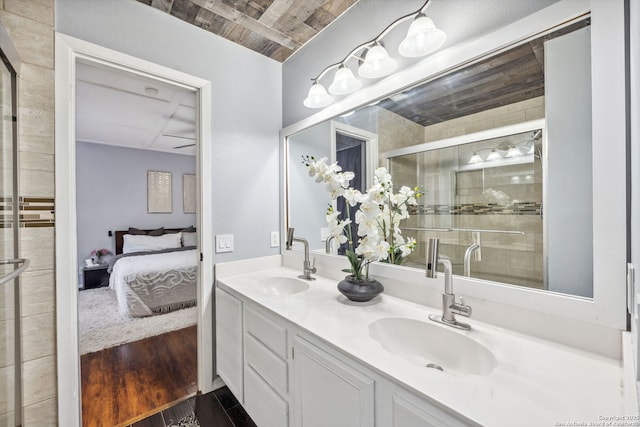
[30, 25]
[465, 199]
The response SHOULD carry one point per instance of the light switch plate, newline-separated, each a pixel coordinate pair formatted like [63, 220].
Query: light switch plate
[275, 239]
[224, 243]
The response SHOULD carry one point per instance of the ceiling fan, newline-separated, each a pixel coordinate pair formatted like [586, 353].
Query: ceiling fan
[181, 137]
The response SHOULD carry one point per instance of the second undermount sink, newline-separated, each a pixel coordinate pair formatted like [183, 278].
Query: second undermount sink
[282, 285]
[433, 346]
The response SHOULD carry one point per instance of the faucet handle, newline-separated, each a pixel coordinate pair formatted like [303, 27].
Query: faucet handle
[313, 265]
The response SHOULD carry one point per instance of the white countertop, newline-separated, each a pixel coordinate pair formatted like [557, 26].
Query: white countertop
[535, 382]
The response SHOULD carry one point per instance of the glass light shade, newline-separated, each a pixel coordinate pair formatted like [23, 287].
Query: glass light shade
[422, 38]
[377, 63]
[494, 155]
[513, 152]
[344, 82]
[475, 159]
[532, 149]
[317, 97]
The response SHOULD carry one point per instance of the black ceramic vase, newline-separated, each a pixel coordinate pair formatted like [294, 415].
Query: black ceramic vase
[360, 290]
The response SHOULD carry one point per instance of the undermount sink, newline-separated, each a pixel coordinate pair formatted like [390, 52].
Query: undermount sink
[432, 346]
[282, 285]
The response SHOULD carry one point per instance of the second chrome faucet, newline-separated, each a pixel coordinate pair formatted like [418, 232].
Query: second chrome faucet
[449, 305]
[307, 268]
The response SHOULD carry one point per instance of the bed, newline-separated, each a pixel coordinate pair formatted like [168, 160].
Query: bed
[154, 271]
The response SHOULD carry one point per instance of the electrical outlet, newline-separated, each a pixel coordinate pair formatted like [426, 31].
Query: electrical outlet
[275, 239]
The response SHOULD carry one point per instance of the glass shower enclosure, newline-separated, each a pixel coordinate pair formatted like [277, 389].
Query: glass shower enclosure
[10, 265]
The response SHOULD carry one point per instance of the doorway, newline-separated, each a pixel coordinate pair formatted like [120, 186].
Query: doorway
[69, 52]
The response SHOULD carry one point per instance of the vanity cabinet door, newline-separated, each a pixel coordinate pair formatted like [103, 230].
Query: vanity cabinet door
[229, 359]
[329, 392]
[399, 408]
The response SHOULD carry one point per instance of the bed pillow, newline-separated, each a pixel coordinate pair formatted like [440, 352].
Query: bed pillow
[137, 243]
[189, 239]
[136, 231]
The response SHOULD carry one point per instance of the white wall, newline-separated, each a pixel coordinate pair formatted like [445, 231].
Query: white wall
[112, 193]
[246, 107]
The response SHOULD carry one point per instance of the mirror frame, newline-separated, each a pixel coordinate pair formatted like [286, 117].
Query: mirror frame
[609, 139]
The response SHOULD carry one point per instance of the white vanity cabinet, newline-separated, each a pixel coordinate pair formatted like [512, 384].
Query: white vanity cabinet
[252, 352]
[397, 407]
[284, 376]
[329, 392]
[229, 342]
[266, 368]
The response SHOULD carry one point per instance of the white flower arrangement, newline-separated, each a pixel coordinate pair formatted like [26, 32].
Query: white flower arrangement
[378, 216]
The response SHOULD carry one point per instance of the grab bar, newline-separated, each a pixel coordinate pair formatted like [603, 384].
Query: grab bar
[464, 229]
[16, 272]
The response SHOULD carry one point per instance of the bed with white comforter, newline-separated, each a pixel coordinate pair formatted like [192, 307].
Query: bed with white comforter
[154, 283]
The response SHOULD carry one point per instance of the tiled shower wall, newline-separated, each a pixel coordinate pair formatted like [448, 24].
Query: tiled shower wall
[505, 258]
[30, 24]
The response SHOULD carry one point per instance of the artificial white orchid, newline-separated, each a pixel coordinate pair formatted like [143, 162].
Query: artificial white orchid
[378, 216]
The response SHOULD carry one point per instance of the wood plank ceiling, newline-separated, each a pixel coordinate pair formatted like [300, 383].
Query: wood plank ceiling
[274, 28]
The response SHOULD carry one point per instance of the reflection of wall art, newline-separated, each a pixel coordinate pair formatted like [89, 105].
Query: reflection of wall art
[159, 192]
[189, 193]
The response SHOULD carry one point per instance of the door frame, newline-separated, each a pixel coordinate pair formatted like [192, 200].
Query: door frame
[68, 51]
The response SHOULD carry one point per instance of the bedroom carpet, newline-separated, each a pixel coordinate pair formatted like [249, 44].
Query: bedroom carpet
[100, 325]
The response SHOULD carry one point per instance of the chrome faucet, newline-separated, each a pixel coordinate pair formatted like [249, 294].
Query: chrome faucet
[449, 305]
[307, 268]
[327, 245]
[474, 250]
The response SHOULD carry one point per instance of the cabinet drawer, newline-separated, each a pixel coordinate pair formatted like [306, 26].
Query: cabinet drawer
[262, 403]
[266, 331]
[266, 363]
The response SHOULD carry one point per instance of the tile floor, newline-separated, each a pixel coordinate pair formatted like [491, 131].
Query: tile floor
[216, 409]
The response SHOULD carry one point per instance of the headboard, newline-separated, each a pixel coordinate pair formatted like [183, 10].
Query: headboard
[120, 236]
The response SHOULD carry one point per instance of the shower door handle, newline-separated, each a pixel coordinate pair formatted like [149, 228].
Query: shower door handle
[24, 263]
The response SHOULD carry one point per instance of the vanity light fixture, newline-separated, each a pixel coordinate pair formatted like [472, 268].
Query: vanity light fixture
[374, 61]
[344, 82]
[494, 155]
[422, 38]
[317, 97]
[475, 158]
[377, 63]
[513, 152]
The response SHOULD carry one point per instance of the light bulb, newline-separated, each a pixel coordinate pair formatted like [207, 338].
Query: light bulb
[377, 63]
[475, 159]
[513, 152]
[317, 97]
[344, 82]
[494, 155]
[422, 38]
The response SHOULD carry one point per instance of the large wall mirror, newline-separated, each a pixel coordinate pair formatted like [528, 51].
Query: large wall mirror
[503, 146]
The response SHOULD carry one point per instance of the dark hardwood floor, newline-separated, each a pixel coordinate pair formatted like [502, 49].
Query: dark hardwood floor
[128, 383]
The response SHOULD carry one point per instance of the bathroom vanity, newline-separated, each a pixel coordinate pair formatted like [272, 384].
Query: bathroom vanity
[297, 353]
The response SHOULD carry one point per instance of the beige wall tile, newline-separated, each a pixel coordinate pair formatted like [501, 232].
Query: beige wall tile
[6, 303]
[36, 162]
[38, 10]
[41, 414]
[33, 40]
[37, 244]
[35, 131]
[7, 376]
[34, 183]
[36, 88]
[7, 340]
[39, 380]
[36, 336]
[37, 292]
[7, 419]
